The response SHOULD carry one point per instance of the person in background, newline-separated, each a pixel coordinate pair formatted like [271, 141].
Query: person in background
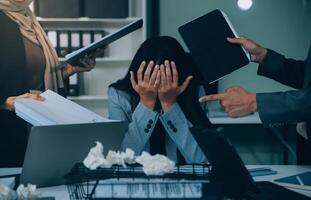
[158, 97]
[277, 108]
[28, 62]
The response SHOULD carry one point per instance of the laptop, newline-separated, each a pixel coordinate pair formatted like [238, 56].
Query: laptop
[53, 150]
[206, 38]
[229, 170]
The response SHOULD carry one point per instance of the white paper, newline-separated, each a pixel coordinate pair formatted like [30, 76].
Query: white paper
[5, 192]
[55, 110]
[155, 165]
[29, 192]
[96, 158]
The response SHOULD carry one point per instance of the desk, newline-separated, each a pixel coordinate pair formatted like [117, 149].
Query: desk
[61, 193]
[220, 118]
[283, 171]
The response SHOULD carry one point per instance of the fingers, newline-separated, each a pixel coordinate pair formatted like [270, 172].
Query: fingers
[133, 81]
[148, 71]
[32, 96]
[184, 86]
[98, 52]
[154, 76]
[240, 41]
[84, 62]
[140, 72]
[214, 97]
[88, 63]
[158, 80]
[175, 72]
[163, 76]
[168, 71]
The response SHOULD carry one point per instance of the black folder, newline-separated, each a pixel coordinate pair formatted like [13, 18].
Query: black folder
[73, 58]
[206, 38]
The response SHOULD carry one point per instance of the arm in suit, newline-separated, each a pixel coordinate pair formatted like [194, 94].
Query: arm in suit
[284, 107]
[178, 128]
[141, 128]
[290, 106]
[287, 71]
[141, 122]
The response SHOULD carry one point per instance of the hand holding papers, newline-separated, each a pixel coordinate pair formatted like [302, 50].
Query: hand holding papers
[55, 110]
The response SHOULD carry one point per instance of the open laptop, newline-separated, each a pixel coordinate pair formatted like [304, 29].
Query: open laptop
[229, 170]
[53, 150]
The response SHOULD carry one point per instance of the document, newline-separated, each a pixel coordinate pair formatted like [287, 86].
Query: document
[55, 110]
[73, 58]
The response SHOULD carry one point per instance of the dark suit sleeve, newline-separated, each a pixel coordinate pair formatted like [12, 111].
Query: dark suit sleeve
[284, 107]
[286, 71]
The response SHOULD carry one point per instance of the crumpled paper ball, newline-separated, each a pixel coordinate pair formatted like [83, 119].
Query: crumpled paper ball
[95, 158]
[129, 156]
[155, 165]
[152, 165]
[29, 192]
[121, 158]
[5, 192]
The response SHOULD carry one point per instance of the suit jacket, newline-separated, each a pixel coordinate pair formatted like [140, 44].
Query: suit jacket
[279, 108]
[142, 122]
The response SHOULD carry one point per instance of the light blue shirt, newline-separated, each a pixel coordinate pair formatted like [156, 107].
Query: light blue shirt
[142, 123]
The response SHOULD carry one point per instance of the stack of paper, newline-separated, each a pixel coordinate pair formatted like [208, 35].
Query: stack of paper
[55, 110]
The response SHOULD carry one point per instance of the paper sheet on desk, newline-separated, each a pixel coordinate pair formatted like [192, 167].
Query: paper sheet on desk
[221, 117]
[55, 110]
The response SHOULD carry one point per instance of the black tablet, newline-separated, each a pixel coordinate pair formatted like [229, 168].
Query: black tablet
[206, 38]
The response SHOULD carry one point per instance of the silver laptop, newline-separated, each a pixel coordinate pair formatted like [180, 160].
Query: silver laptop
[53, 150]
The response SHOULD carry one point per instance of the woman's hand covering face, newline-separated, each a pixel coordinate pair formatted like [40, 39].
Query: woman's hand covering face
[147, 83]
[169, 89]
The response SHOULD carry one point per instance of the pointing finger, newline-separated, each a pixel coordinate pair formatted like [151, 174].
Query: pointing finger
[214, 97]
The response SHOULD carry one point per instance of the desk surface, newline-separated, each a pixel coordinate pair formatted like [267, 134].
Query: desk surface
[60, 192]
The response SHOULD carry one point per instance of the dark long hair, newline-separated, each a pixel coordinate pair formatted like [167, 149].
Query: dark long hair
[163, 48]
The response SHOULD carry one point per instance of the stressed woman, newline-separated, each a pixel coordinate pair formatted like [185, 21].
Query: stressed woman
[28, 62]
[158, 99]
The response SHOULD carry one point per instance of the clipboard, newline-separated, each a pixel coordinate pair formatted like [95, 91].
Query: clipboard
[73, 58]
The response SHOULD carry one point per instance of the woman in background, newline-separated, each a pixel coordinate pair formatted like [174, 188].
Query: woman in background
[28, 62]
[160, 105]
